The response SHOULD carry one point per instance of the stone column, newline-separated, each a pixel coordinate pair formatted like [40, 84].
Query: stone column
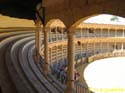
[115, 32]
[56, 37]
[71, 61]
[101, 32]
[38, 39]
[122, 33]
[81, 32]
[62, 53]
[50, 56]
[46, 64]
[62, 33]
[87, 43]
[81, 51]
[50, 36]
[107, 48]
[94, 33]
[108, 33]
[115, 46]
[94, 47]
[88, 32]
[81, 45]
[122, 47]
[57, 61]
[101, 46]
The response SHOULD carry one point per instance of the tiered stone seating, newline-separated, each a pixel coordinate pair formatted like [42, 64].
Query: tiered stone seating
[23, 68]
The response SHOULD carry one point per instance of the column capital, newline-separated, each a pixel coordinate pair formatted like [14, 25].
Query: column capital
[39, 5]
[71, 31]
[46, 29]
[39, 28]
[38, 23]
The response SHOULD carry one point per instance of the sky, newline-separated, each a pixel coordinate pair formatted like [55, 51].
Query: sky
[105, 19]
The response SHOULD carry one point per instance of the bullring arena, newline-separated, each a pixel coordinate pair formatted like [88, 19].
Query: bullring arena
[45, 58]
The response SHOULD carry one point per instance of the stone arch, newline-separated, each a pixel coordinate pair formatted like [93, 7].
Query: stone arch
[78, 22]
[55, 23]
[82, 19]
[71, 11]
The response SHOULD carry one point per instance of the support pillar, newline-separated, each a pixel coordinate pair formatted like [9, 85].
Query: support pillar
[115, 33]
[87, 49]
[123, 33]
[56, 37]
[46, 64]
[62, 53]
[108, 45]
[62, 33]
[122, 47]
[57, 60]
[101, 47]
[88, 32]
[81, 52]
[50, 36]
[108, 33]
[94, 48]
[81, 32]
[71, 58]
[101, 32]
[115, 47]
[50, 56]
[38, 39]
[81, 47]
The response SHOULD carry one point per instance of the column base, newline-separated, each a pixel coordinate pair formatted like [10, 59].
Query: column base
[37, 58]
[46, 69]
[69, 90]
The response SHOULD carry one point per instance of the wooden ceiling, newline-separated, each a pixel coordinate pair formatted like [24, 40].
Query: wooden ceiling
[19, 8]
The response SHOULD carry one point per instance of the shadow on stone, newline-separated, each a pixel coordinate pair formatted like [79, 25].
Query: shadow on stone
[1, 90]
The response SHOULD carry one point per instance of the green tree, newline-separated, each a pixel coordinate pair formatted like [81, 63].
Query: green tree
[114, 18]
